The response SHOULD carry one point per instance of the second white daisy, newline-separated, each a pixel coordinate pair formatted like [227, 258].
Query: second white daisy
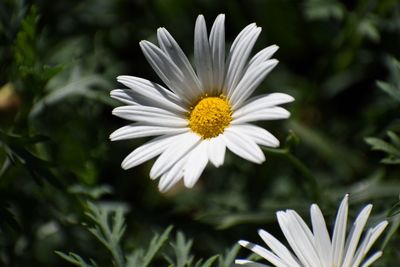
[316, 249]
[203, 111]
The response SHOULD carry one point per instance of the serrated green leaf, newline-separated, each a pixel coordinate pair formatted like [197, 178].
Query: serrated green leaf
[380, 145]
[75, 259]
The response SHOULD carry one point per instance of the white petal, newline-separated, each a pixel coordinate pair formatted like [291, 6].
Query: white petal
[249, 263]
[272, 113]
[307, 240]
[376, 232]
[173, 153]
[261, 102]
[167, 70]
[321, 234]
[257, 134]
[147, 151]
[279, 249]
[250, 81]
[339, 232]
[202, 54]
[216, 150]
[372, 259]
[125, 96]
[172, 49]
[355, 234]
[368, 241]
[172, 176]
[265, 253]
[243, 146]
[150, 115]
[158, 94]
[217, 44]
[262, 56]
[195, 164]
[294, 235]
[137, 130]
[239, 54]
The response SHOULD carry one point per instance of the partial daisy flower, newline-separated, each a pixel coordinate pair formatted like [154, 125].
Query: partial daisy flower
[205, 109]
[315, 248]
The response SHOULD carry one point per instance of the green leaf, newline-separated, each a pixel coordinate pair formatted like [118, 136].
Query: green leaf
[109, 227]
[92, 192]
[380, 145]
[181, 248]
[229, 257]
[138, 258]
[389, 89]
[75, 259]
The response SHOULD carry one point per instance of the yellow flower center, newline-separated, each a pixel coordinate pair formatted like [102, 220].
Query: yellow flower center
[210, 116]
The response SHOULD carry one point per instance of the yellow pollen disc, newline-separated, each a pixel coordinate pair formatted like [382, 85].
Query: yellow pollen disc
[210, 116]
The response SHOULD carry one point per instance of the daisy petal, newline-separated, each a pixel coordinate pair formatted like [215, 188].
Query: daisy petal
[195, 164]
[242, 146]
[279, 249]
[202, 54]
[339, 233]
[137, 130]
[355, 234]
[273, 113]
[168, 72]
[372, 259]
[262, 56]
[217, 44]
[250, 81]
[159, 96]
[147, 151]
[216, 151]
[125, 96]
[172, 49]
[249, 263]
[266, 254]
[173, 153]
[238, 56]
[368, 241]
[261, 102]
[322, 240]
[150, 115]
[171, 177]
[257, 134]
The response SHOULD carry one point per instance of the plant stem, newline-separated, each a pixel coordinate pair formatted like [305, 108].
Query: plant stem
[302, 168]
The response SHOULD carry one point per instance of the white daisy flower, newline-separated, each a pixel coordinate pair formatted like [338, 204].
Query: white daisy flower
[315, 248]
[204, 110]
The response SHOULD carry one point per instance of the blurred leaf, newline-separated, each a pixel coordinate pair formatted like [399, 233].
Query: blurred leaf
[93, 192]
[392, 150]
[324, 9]
[76, 85]
[380, 145]
[15, 147]
[7, 217]
[367, 27]
[229, 257]
[389, 89]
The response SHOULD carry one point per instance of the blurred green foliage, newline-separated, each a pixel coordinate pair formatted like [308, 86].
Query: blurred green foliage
[58, 62]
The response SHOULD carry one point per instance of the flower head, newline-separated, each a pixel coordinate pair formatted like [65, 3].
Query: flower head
[205, 109]
[315, 248]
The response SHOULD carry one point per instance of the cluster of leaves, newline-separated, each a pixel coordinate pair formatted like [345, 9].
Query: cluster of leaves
[109, 227]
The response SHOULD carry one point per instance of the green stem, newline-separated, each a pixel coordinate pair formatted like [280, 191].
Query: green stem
[302, 168]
